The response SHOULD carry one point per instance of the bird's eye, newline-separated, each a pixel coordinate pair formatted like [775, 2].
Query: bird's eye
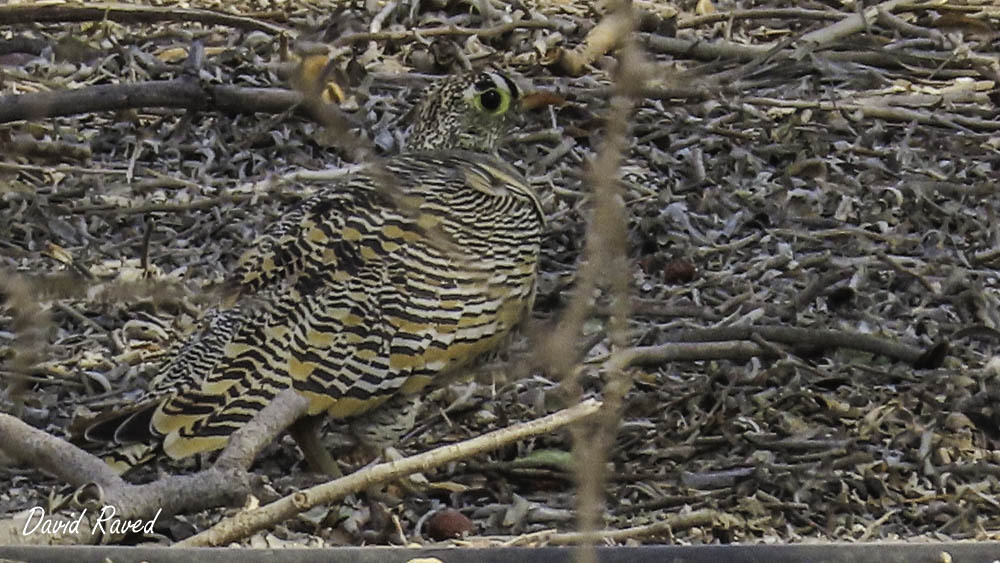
[491, 100]
[490, 96]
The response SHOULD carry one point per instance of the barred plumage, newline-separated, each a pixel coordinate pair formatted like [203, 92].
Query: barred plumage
[363, 293]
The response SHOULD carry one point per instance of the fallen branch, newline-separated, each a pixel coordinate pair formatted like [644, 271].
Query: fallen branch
[817, 287]
[850, 25]
[735, 343]
[759, 14]
[54, 455]
[405, 34]
[813, 338]
[177, 93]
[50, 150]
[941, 118]
[729, 50]
[704, 50]
[206, 203]
[704, 517]
[734, 350]
[608, 34]
[127, 13]
[227, 482]
[61, 168]
[249, 521]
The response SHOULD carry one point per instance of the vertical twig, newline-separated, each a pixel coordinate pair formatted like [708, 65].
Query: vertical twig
[29, 323]
[605, 264]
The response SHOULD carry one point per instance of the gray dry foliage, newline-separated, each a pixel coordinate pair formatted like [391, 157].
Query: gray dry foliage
[852, 187]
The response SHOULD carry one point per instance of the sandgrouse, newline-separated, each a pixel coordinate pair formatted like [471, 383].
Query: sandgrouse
[368, 290]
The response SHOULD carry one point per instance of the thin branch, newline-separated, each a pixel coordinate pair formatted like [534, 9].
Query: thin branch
[405, 34]
[63, 168]
[984, 10]
[733, 343]
[759, 14]
[206, 203]
[606, 257]
[940, 118]
[730, 50]
[820, 338]
[899, 24]
[250, 521]
[704, 517]
[686, 352]
[817, 287]
[53, 150]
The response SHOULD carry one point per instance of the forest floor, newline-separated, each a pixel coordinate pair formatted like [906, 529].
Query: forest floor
[780, 174]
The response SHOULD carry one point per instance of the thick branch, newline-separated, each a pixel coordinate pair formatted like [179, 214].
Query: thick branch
[608, 34]
[53, 455]
[227, 482]
[127, 13]
[247, 442]
[704, 50]
[176, 93]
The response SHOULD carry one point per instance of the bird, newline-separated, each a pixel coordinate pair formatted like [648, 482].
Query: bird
[368, 291]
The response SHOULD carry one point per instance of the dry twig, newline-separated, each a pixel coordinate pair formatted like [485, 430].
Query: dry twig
[705, 517]
[450, 30]
[757, 14]
[604, 255]
[941, 118]
[811, 338]
[250, 521]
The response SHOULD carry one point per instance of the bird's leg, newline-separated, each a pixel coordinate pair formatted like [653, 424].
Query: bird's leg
[377, 433]
[305, 431]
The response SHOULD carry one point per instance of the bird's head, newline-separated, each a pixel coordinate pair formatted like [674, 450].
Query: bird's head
[468, 111]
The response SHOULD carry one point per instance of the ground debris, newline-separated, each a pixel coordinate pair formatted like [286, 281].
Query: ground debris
[785, 170]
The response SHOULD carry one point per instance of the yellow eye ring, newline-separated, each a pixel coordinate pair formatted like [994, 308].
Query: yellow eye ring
[494, 101]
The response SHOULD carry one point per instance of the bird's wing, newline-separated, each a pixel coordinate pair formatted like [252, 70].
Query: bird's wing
[186, 385]
[282, 251]
[186, 367]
